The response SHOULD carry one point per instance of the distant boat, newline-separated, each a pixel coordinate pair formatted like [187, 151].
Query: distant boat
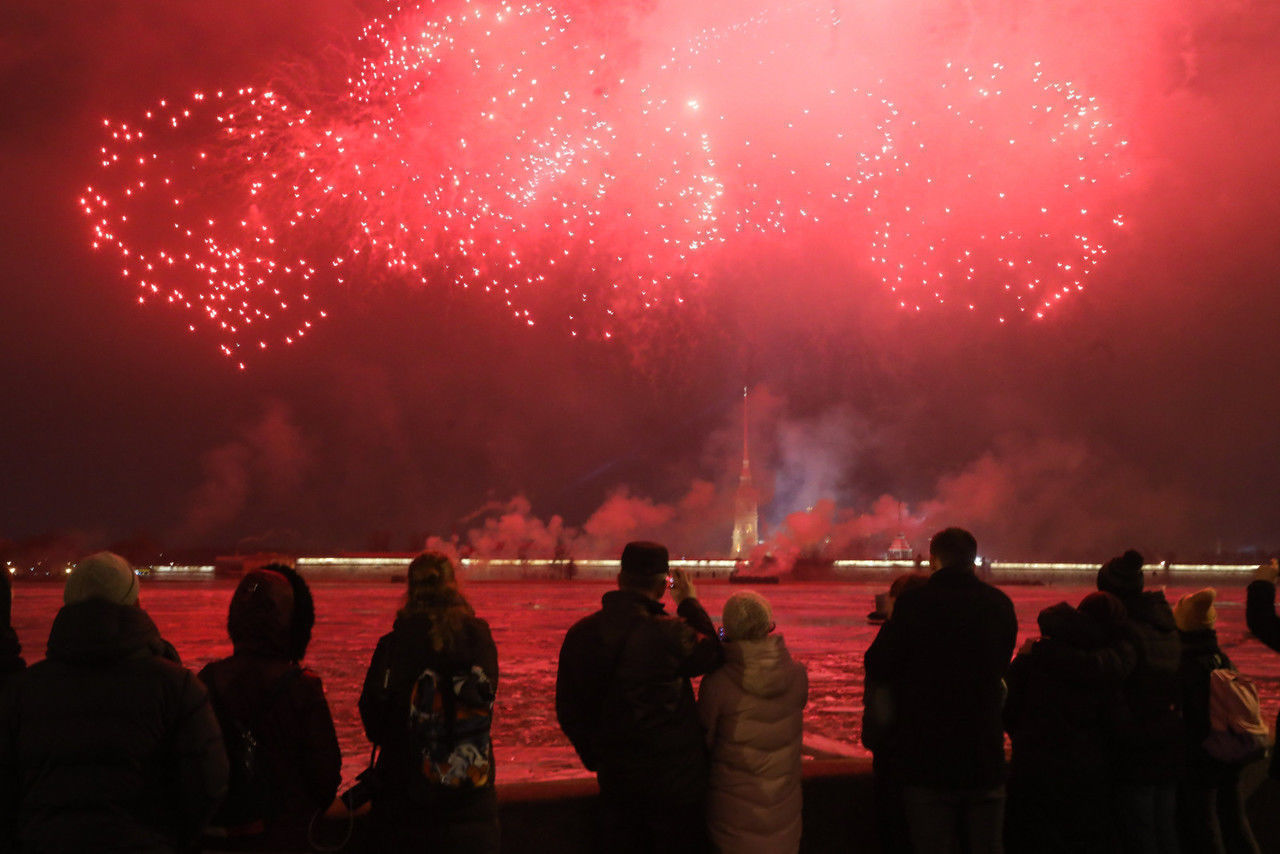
[881, 612]
[809, 568]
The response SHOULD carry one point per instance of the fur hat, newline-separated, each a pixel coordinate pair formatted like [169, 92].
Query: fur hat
[1122, 575]
[1195, 610]
[747, 616]
[644, 559]
[103, 575]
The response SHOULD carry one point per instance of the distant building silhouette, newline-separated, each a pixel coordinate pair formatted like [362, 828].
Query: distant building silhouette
[900, 549]
[746, 513]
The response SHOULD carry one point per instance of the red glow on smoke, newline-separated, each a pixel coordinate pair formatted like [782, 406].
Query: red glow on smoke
[506, 149]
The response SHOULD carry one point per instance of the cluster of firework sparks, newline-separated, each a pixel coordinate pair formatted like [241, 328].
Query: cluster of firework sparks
[497, 147]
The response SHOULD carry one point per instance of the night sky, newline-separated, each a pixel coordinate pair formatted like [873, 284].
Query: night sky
[1142, 411]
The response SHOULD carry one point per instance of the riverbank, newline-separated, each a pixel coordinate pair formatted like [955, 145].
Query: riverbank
[839, 810]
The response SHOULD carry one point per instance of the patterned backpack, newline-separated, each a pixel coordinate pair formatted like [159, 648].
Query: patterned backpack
[449, 722]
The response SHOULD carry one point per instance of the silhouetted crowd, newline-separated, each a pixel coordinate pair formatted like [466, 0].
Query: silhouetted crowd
[1129, 727]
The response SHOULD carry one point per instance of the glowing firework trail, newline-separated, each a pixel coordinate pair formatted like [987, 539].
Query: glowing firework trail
[498, 147]
[1014, 214]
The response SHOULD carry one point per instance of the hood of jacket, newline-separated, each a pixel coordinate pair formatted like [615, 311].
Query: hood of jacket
[1201, 642]
[260, 615]
[96, 630]
[760, 667]
[1063, 623]
[1152, 608]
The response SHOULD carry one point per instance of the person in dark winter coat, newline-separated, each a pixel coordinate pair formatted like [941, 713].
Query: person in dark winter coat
[438, 802]
[1260, 616]
[943, 655]
[1211, 816]
[263, 689]
[1062, 687]
[625, 700]
[1147, 733]
[878, 736]
[10, 649]
[108, 744]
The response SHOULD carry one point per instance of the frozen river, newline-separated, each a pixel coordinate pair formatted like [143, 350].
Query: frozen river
[824, 624]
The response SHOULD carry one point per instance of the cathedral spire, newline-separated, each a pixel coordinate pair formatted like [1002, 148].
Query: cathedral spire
[746, 515]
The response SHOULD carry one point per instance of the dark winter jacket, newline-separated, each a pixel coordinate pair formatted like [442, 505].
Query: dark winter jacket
[1200, 656]
[10, 650]
[1061, 692]
[1260, 615]
[297, 753]
[943, 655]
[1147, 731]
[11, 661]
[625, 700]
[405, 797]
[106, 745]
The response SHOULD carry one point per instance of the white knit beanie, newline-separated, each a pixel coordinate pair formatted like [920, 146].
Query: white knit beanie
[747, 616]
[103, 575]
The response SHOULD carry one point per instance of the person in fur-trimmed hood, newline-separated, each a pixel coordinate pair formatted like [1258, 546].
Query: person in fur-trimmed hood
[263, 688]
[752, 709]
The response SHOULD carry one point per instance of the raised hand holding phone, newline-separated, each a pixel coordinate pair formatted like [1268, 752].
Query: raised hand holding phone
[682, 586]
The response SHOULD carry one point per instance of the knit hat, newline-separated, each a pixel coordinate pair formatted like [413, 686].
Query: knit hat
[644, 559]
[747, 616]
[1122, 575]
[103, 575]
[1195, 610]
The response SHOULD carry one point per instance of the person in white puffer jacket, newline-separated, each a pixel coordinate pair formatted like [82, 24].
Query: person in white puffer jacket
[752, 709]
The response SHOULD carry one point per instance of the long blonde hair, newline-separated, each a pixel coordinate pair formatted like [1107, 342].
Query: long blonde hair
[433, 590]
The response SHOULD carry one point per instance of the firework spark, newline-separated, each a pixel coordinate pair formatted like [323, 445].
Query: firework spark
[1016, 212]
[500, 148]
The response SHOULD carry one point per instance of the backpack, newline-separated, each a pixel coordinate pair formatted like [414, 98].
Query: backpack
[449, 722]
[248, 803]
[1237, 733]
